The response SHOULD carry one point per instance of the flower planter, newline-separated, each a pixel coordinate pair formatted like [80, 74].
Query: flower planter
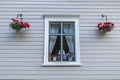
[105, 27]
[70, 58]
[19, 24]
[15, 27]
[54, 58]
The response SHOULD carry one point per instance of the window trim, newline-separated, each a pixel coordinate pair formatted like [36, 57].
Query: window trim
[61, 18]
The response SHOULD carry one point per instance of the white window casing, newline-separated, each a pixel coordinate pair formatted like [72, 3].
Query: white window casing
[71, 18]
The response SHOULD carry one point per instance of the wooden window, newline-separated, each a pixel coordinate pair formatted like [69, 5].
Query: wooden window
[61, 46]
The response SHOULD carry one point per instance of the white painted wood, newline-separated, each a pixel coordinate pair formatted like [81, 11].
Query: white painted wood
[69, 17]
[21, 56]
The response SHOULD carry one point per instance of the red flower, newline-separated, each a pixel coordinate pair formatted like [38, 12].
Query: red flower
[15, 20]
[23, 25]
[18, 24]
[100, 25]
[27, 25]
[106, 26]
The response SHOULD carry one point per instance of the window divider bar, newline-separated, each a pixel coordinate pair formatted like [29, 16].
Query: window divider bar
[61, 43]
[61, 34]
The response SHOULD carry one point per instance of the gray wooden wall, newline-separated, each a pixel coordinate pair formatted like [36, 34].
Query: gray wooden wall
[21, 55]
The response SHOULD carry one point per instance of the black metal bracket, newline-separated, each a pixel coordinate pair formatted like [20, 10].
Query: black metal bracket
[105, 17]
[19, 15]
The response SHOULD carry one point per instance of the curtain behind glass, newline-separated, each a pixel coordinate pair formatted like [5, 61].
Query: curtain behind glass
[69, 28]
[54, 28]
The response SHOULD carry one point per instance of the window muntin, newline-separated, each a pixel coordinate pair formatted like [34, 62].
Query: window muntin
[61, 42]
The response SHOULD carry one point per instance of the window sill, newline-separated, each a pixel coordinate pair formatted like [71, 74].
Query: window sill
[61, 65]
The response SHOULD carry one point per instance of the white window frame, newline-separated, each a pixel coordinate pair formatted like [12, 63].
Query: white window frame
[61, 18]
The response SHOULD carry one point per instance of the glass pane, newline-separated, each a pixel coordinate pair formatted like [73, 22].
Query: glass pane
[54, 48]
[54, 27]
[68, 27]
[68, 48]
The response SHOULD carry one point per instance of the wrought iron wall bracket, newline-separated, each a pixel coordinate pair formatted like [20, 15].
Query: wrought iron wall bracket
[19, 15]
[105, 17]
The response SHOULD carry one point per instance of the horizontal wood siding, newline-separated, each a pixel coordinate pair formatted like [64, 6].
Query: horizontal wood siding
[21, 55]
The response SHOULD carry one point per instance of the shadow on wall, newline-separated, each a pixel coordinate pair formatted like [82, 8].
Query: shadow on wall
[22, 35]
[100, 35]
[19, 34]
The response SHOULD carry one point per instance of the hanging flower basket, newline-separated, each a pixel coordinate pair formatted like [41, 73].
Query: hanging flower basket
[105, 27]
[18, 24]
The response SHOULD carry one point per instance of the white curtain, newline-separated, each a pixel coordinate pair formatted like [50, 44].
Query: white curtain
[53, 29]
[68, 28]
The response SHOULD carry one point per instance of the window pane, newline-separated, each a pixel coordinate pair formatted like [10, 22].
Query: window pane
[68, 27]
[68, 48]
[54, 48]
[54, 27]
[62, 46]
